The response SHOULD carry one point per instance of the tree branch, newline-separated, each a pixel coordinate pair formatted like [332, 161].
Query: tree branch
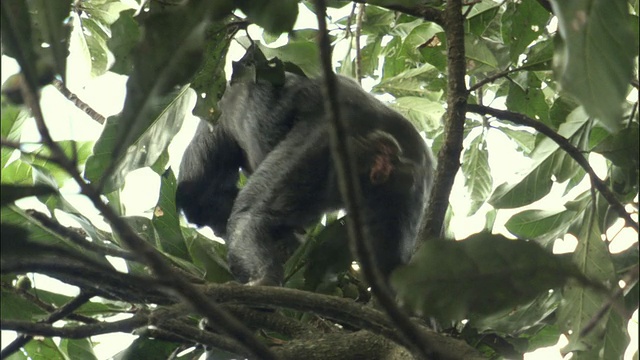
[565, 145]
[77, 102]
[424, 12]
[449, 155]
[75, 332]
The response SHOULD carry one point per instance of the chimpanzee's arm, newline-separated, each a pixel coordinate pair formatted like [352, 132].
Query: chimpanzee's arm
[207, 183]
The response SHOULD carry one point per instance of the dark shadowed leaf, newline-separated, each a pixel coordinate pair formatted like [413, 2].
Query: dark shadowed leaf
[481, 275]
[592, 31]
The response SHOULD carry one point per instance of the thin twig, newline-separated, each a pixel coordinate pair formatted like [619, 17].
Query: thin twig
[492, 78]
[361, 8]
[77, 102]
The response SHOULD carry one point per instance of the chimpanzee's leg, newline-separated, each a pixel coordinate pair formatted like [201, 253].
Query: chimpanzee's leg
[289, 190]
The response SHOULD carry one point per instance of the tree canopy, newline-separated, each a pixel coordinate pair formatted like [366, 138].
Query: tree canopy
[552, 83]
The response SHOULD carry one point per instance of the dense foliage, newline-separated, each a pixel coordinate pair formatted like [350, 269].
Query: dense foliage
[553, 82]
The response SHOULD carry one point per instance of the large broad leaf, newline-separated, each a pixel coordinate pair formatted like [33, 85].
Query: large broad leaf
[595, 60]
[424, 113]
[526, 97]
[543, 225]
[50, 16]
[481, 275]
[580, 304]
[162, 122]
[522, 23]
[303, 53]
[17, 37]
[275, 16]
[125, 34]
[78, 349]
[209, 83]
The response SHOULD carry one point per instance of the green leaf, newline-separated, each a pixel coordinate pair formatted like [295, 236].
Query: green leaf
[536, 224]
[537, 179]
[80, 349]
[522, 23]
[13, 117]
[145, 348]
[96, 36]
[51, 16]
[43, 349]
[326, 254]
[533, 187]
[616, 338]
[106, 12]
[17, 37]
[476, 49]
[156, 132]
[524, 139]
[622, 148]
[168, 55]
[425, 114]
[481, 275]
[303, 53]
[15, 307]
[517, 320]
[210, 81]
[527, 99]
[17, 173]
[275, 16]
[78, 150]
[580, 304]
[165, 219]
[417, 38]
[208, 255]
[595, 60]
[125, 34]
[477, 175]
[481, 16]
[413, 82]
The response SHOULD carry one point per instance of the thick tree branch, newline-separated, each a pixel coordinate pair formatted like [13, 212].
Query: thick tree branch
[565, 145]
[75, 332]
[449, 155]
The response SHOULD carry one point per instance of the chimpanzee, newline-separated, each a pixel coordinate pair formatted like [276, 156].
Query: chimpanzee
[278, 134]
